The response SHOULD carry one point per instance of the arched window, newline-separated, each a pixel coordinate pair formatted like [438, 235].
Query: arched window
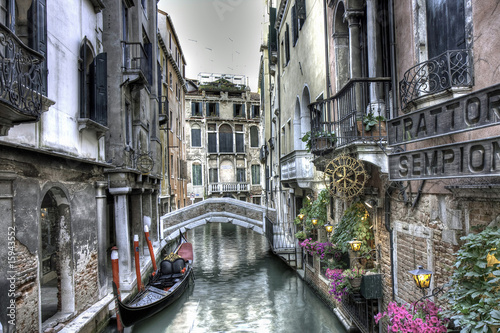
[93, 85]
[254, 136]
[197, 175]
[225, 139]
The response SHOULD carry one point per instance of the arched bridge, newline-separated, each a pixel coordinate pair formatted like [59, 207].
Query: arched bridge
[227, 210]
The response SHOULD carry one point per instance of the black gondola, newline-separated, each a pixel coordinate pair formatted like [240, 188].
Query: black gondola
[167, 285]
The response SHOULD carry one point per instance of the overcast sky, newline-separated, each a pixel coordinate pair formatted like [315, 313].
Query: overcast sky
[219, 36]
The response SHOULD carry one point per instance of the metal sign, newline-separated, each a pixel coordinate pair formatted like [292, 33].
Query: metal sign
[472, 111]
[476, 158]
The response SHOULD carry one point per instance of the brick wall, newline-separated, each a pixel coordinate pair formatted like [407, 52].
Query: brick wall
[86, 287]
[26, 290]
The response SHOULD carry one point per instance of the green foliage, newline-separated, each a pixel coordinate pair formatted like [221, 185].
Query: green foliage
[300, 235]
[308, 137]
[319, 207]
[474, 294]
[354, 224]
[370, 120]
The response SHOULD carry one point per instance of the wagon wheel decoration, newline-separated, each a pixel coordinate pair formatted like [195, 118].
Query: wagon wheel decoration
[145, 163]
[345, 177]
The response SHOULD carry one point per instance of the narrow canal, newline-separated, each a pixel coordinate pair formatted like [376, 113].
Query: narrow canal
[241, 287]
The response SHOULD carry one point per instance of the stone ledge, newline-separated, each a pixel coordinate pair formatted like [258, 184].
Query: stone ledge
[85, 321]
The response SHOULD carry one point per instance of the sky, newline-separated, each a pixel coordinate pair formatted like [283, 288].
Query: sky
[219, 36]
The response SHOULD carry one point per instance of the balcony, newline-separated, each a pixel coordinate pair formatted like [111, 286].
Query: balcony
[448, 70]
[297, 169]
[345, 114]
[137, 63]
[361, 311]
[222, 188]
[20, 82]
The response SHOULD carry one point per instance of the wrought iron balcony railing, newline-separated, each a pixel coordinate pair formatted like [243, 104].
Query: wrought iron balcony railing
[138, 58]
[346, 113]
[450, 69]
[20, 78]
[361, 311]
[228, 187]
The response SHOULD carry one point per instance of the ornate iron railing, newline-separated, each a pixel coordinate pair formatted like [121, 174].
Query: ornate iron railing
[344, 114]
[450, 69]
[20, 74]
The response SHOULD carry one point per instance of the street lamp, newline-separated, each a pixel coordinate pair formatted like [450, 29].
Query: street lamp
[314, 221]
[301, 216]
[328, 228]
[422, 278]
[355, 245]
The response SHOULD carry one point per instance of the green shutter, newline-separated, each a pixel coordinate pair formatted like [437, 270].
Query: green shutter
[99, 89]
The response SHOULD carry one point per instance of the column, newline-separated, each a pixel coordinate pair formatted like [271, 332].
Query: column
[374, 57]
[123, 239]
[102, 237]
[353, 17]
[137, 216]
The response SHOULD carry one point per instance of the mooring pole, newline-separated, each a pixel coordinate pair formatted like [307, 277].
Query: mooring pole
[116, 280]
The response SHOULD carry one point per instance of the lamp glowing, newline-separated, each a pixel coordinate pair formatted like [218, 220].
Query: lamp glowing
[301, 216]
[422, 277]
[314, 221]
[355, 245]
[329, 228]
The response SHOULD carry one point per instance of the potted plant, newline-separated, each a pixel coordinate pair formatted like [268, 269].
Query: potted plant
[319, 140]
[421, 317]
[474, 289]
[300, 235]
[354, 276]
[370, 121]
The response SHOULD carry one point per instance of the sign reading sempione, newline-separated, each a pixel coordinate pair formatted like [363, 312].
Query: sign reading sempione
[472, 111]
[466, 159]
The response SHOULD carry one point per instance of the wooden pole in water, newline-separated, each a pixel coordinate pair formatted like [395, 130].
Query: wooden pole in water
[137, 263]
[150, 246]
[115, 267]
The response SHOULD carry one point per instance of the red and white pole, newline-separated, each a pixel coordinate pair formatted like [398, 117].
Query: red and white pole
[150, 246]
[115, 267]
[137, 263]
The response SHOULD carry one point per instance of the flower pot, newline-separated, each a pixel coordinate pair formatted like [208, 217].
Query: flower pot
[374, 132]
[371, 286]
[356, 282]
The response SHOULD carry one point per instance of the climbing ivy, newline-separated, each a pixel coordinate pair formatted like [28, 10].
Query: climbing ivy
[354, 224]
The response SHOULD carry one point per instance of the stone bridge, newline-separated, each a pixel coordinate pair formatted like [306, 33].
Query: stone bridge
[227, 210]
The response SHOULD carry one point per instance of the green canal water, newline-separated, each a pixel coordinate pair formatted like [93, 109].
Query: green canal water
[241, 286]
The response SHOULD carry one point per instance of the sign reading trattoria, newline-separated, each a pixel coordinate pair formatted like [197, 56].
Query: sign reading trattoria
[466, 159]
[472, 111]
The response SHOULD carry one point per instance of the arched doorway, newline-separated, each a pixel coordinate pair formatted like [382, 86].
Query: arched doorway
[56, 260]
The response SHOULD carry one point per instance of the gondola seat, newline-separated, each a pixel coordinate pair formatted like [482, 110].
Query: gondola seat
[172, 270]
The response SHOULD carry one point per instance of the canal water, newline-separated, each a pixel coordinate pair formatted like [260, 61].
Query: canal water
[241, 286]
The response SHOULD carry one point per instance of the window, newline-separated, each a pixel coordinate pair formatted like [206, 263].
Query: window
[225, 139]
[195, 137]
[196, 110]
[212, 109]
[93, 85]
[240, 142]
[254, 137]
[445, 26]
[301, 12]
[213, 175]
[256, 200]
[240, 175]
[212, 142]
[239, 110]
[197, 179]
[287, 45]
[255, 174]
[256, 111]
[295, 26]
[170, 80]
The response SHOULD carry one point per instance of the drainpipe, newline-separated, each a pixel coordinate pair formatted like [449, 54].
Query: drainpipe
[392, 41]
[387, 211]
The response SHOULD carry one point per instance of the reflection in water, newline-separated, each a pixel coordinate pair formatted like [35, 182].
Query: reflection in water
[241, 287]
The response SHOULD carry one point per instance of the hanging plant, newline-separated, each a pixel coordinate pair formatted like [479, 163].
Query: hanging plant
[354, 224]
[474, 294]
[319, 208]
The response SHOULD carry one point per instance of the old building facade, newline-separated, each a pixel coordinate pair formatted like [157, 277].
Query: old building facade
[53, 118]
[224, 135]
[172, 117]
[80, 153]
[414, 109]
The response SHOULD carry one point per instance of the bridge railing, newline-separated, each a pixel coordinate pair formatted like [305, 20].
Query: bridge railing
[283, 243]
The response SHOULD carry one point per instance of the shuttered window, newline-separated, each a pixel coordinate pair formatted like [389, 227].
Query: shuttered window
[254, 137]
[301, 12]
[196, 109]
[240, 143]
[287, 45]
[212, 109]
[239, 110]
[295, 26]
[37, 35]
